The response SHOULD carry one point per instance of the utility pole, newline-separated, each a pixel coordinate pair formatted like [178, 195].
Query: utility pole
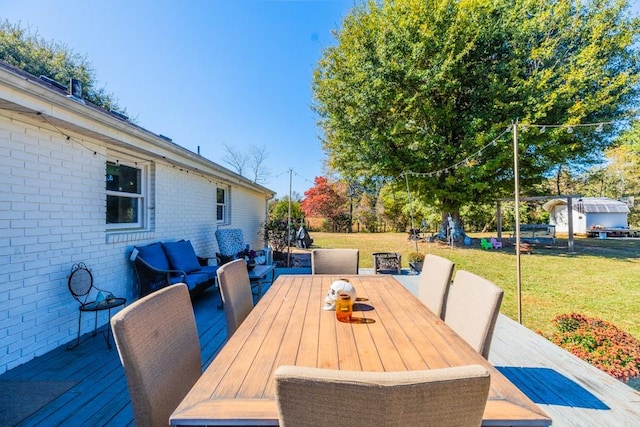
[289, 224]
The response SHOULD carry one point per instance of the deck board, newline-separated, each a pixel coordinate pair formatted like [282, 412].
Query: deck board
[569, 390]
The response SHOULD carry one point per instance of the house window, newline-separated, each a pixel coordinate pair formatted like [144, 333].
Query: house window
[222, 205]
[125, 200]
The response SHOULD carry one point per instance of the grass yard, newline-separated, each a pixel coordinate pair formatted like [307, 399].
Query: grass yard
[600, 279]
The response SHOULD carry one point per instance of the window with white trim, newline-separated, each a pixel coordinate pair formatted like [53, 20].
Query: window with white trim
[222, 204]
[125, 196]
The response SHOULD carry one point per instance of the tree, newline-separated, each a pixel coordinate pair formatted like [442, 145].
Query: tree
[258, 155]
[39, 57]
[235, 158]
[392, 207]
[249, 164]
[279, 209]
[428, 86]
[365, 213]
[326, 200]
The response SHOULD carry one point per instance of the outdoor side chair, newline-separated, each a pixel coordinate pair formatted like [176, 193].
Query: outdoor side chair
[435, 281]
[159, 348]
[334, 261]
[446, 397]
[235, 289]
[472, 309]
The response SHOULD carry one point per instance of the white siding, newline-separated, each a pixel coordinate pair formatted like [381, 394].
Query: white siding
[52, 215]
[244, 205]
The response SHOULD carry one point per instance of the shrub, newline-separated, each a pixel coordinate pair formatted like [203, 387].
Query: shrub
[600, 343]
[416, 257]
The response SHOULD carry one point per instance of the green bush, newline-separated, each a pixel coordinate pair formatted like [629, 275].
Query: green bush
[600, 343]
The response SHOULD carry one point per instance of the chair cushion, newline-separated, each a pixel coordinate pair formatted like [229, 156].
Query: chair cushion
[192, 280]
[230, 241]
[182, 256]
[209, 270]
[154, 255]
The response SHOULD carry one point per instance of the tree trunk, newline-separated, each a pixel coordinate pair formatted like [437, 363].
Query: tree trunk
[453, 225]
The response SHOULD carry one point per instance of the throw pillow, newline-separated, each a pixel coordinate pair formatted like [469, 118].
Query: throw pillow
[154, 256]
[182, 256]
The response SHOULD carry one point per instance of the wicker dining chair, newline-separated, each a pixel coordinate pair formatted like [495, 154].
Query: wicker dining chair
[235, 289]
[446, 397]
[334, 261]
[472, 309]
[159, 348]
[435, 281]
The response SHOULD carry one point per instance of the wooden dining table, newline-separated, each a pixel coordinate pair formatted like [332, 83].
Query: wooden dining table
[390, 330]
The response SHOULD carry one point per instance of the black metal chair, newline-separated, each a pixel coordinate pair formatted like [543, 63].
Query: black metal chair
[81, 287]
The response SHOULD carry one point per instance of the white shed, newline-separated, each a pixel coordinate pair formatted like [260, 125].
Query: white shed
[588, 213]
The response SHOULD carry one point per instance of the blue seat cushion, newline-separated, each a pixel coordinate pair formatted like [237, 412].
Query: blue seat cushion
[209, 270]
[182, 256]
[154, 255]
[192, 280]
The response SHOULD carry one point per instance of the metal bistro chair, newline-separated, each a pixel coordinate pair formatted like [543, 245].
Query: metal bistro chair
[81, 287]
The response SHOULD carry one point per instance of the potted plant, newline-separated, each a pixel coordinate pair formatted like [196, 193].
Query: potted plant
[415, 261]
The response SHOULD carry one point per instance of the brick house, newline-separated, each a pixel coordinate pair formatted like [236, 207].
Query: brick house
[57, 208]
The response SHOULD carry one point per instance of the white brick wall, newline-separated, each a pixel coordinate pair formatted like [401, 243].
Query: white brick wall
[52, 215]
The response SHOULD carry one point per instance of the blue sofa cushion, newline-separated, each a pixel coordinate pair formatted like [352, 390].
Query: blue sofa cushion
[154, 255]
[191, 281]
[209, 270]
[182, 256]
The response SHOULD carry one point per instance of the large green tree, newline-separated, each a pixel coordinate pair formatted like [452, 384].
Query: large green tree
[426, 86]
[35, 55]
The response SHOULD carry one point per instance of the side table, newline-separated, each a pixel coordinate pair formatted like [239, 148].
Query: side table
[258, 274]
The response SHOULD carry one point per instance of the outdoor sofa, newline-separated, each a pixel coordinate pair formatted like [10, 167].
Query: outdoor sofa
[161, 264]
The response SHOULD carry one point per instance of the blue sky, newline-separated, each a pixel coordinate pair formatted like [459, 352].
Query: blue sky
[207, 73]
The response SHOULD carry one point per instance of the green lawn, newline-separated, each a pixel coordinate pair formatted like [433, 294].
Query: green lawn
[600, 279]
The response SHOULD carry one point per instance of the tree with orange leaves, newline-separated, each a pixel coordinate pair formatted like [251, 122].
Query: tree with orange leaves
[326, 200]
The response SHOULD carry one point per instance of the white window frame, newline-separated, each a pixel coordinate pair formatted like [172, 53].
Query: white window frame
[224, 205]
[141, 197]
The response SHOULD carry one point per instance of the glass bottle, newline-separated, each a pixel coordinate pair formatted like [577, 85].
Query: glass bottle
[344, 307]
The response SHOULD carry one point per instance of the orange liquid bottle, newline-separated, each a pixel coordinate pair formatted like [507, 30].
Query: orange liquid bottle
[344, 308]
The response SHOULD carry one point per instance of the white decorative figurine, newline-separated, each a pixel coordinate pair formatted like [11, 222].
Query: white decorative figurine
[338, 287]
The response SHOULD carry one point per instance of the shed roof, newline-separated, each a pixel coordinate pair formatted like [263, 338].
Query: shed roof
[590, 205]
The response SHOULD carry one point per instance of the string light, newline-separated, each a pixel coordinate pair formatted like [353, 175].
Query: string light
[81, 143]
[469, 161]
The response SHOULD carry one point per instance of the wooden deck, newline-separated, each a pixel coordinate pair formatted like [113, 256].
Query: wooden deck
[570, 391]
